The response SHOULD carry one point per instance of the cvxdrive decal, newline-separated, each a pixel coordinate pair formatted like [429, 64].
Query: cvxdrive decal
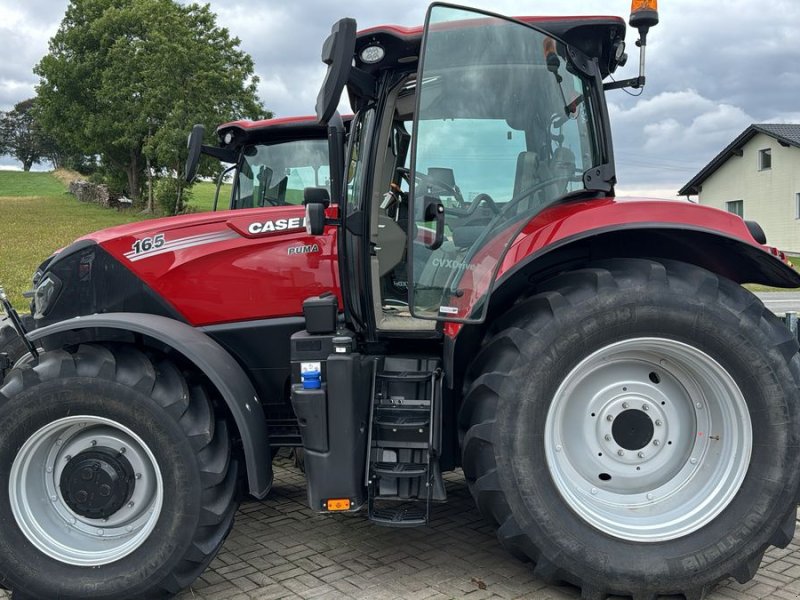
[277, 225]
[158, 244]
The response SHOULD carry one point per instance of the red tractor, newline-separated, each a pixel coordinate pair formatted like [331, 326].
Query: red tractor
[470, 293]
[272, 162]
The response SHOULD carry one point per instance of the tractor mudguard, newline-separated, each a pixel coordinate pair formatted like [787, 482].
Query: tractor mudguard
[567, 236]
[222, 370]
[629, 228]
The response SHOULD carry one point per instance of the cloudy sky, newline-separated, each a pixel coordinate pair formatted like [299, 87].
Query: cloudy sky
[713, 68]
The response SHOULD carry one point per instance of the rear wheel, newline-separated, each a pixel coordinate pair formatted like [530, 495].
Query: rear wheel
[630, 430]
[121, 482]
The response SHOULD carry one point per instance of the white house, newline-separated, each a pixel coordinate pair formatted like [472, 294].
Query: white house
[758, 178]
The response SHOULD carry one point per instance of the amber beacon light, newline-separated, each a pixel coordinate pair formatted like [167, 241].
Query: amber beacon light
[644, 14]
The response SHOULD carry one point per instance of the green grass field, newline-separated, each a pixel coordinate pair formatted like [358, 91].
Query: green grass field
[203, 196]
[37, 216]
[25, 185]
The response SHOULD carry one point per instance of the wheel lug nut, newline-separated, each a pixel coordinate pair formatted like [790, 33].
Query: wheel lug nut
[610, 418]
[100, 532]
[693, 461]
[699, 405]
[620, 453]
[649, 496]
[54, 498]
[625, 405]
[640, 454]
[607, 437]
[94, 442]
[122, 450]
[130, 505]
[67, 458]
[138, 476]
[645, 407]
[658, 423]
[656, 443]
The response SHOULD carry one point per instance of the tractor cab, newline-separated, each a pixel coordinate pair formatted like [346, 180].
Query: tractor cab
[464, 131]
[271, 161]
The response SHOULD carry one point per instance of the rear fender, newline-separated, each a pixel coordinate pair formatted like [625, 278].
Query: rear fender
[708, 237]
[731, 256]
[541, 253]
[210, 358]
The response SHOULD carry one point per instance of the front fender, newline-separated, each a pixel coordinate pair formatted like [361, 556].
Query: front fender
[213, 361]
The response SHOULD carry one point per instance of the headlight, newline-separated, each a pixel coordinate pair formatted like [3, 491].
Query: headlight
[44, 296]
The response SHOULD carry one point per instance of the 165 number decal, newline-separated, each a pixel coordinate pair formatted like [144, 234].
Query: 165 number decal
[148, 243]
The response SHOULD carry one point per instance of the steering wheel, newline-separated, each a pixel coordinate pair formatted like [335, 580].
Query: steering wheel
[483, 199]
[434, 184]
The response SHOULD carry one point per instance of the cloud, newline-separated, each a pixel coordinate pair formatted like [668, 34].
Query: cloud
[665, 140]
[712, 69]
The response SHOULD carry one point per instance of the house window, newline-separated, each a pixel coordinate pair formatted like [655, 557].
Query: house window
[736, 207]
[765, 159]
[797, 205]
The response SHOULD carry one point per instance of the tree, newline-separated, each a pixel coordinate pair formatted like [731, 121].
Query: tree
[126, 80]
[21, 134]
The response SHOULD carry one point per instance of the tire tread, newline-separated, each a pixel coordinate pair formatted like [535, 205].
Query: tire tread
[494, 363]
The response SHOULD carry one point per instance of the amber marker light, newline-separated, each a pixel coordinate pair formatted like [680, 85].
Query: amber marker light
[337, 504]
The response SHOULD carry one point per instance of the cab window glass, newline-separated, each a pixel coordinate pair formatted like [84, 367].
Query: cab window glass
[277, 174]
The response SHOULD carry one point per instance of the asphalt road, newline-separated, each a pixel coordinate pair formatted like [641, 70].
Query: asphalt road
[781, 302]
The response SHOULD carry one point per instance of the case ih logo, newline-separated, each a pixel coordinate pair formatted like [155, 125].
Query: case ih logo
[277, 225]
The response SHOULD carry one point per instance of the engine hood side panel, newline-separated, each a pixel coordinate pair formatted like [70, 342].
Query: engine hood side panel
[235, 266]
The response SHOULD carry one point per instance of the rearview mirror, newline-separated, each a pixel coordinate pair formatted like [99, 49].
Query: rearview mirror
[315, 218]
[195, 145]
[337, 53]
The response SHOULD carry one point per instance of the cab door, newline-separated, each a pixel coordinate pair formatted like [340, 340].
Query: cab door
[501, 109]
[354, 242]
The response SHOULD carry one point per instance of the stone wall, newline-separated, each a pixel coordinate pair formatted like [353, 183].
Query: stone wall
[97, 194]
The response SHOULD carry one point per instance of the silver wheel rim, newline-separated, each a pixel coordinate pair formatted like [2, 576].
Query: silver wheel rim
[45, 518]
[685, 474]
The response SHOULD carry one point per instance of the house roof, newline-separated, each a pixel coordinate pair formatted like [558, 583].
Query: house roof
[786, 134]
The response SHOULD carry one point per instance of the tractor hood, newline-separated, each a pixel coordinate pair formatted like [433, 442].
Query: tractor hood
[166, 223]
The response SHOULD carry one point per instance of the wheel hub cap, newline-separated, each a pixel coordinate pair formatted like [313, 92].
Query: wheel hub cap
[97, 483]
[648, 439]
[86, 490]
[632, 429]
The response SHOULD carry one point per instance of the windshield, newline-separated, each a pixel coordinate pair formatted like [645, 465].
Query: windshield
[503, 129]
[278, 173]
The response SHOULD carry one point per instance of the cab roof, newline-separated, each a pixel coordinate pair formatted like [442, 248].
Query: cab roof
[273, 130]
[595, 36]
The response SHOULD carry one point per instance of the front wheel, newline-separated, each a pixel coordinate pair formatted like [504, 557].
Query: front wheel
[120, 481]
[631, 427]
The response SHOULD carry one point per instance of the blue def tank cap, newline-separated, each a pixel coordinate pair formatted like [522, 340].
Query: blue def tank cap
[312, 380]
